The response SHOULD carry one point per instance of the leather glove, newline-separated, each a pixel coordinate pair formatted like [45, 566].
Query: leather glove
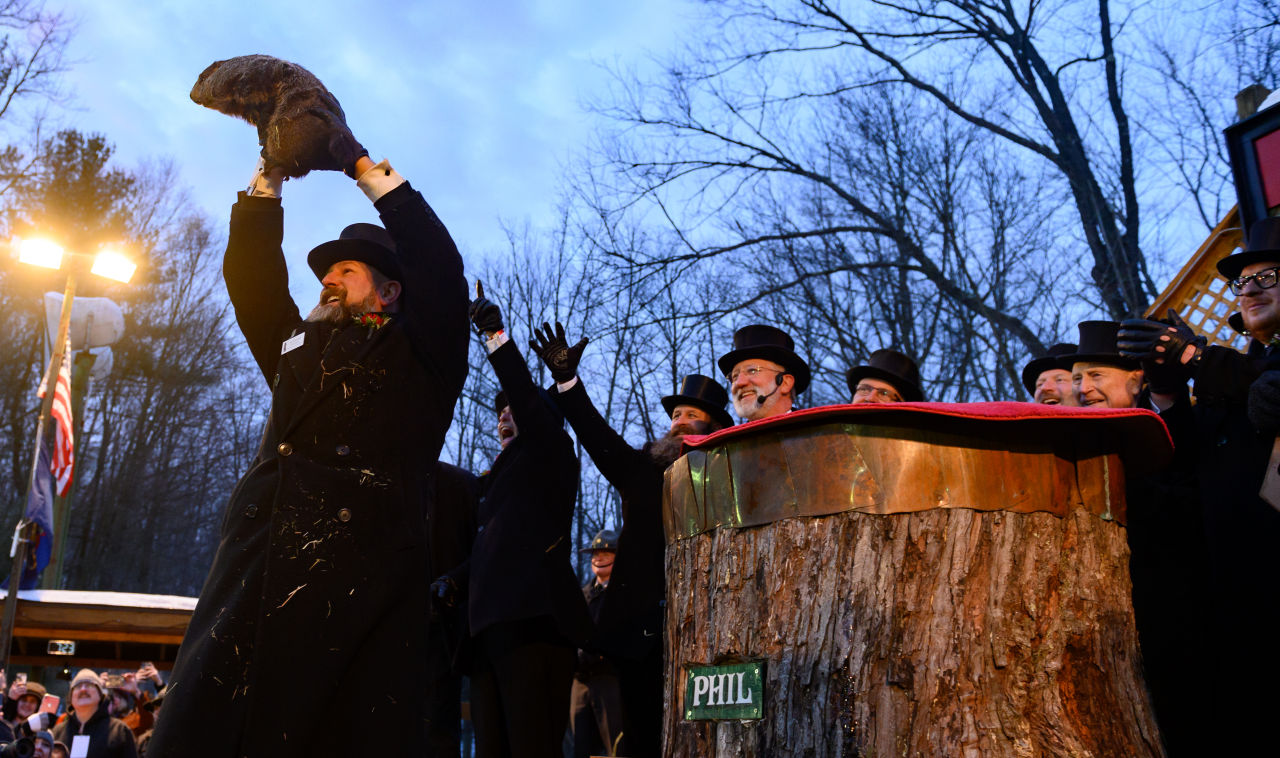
[1159, 345]
[443, 594]
[485, 314]
[1161, 342]
[1264, 402]
[555, 352]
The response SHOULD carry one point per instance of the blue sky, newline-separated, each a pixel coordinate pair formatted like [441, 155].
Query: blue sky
[480, 105]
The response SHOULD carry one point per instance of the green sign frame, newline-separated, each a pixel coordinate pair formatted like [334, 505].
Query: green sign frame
[718, 693]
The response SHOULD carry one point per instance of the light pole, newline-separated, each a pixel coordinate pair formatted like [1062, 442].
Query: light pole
[38, 252]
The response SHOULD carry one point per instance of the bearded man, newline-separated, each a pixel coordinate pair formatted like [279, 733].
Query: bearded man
[317, 578]
[629, 628]
[764, 372]
[1228, 441]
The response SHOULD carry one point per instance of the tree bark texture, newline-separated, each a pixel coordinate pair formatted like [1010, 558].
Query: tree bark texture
[950, 631]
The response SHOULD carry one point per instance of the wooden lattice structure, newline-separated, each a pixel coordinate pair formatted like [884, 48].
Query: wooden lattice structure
[1199, 294]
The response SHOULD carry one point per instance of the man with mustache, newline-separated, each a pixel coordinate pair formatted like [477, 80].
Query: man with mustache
[629, 628]
[1047, 382]
[1227, 448]
[314, 582]
[764, 372]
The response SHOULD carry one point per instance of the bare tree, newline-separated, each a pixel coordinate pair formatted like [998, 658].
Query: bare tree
[908, 175]
[167, 433]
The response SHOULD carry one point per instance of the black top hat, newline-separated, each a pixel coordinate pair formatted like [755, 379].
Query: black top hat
[704, 393]
[368, 243]
[771, 344]
[1098, 345]
[1032, 371]
[605, 539]
[892, 367]
[1236, 322]
[1263, 247]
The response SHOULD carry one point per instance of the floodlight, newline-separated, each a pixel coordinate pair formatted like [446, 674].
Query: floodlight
[113, 265]
[40, 252]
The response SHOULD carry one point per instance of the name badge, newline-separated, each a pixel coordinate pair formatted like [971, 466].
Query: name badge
[293, 343]
[80, 746]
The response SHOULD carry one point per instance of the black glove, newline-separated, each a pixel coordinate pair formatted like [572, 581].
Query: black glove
[484, 313]
[1159, 345]
[1162, 341]
[554, 351]
[443, 594]
[1264, 402]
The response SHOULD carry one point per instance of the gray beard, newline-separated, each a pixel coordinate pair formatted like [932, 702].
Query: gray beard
[340, 313]
[665, 450]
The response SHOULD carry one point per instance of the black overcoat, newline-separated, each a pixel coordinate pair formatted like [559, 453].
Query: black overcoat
[315, 610]
[629, 627]
[630, 620]
[519, 566]
[1242, 534]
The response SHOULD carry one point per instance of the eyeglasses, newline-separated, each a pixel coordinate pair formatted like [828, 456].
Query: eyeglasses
[1265, 279]
[866, 390]
[752, 371]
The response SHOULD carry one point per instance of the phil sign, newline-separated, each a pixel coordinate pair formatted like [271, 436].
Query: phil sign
[735, 691]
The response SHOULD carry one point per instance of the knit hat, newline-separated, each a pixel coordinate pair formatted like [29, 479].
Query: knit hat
[35, 690]
[47, 737]
[87, 675]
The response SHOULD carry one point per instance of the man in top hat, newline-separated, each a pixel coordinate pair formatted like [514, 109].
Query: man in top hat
[525, 610]
[595, 705]
[1100, 376]
[1047, 382]
[315, 588]
[764, 372]
[1229, 441]
[629, 629]
[887, 377]
[1161, 527]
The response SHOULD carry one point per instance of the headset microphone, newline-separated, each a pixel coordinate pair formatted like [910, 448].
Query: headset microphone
[777, 386]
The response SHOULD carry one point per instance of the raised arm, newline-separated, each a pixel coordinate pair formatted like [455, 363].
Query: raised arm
[615, 459]
[254, 270]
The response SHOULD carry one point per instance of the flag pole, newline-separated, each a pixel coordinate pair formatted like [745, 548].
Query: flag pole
[24, 527]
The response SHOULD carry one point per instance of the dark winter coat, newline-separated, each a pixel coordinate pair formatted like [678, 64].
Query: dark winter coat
[108, 737]
[630, 621]
[1242, 533]
[519, 566]
[629, 627]
[316, 594]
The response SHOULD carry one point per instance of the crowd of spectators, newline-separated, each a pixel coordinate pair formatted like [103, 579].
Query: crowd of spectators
[114, 713]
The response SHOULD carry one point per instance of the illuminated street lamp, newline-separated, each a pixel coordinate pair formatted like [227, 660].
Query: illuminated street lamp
[48, 254]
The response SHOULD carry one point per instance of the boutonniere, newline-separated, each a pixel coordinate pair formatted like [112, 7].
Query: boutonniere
[372, 320]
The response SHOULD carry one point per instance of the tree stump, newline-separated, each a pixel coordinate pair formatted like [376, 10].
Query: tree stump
[916, 584]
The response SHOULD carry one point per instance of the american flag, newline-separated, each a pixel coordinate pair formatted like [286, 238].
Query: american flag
[64, 445]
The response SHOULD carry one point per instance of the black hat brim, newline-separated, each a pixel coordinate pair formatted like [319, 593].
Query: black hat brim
[369, 253]
[1032, 371]
[1232, 265]
[779, 355]
[910, 392]
[670, 402]
[1110, 359]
